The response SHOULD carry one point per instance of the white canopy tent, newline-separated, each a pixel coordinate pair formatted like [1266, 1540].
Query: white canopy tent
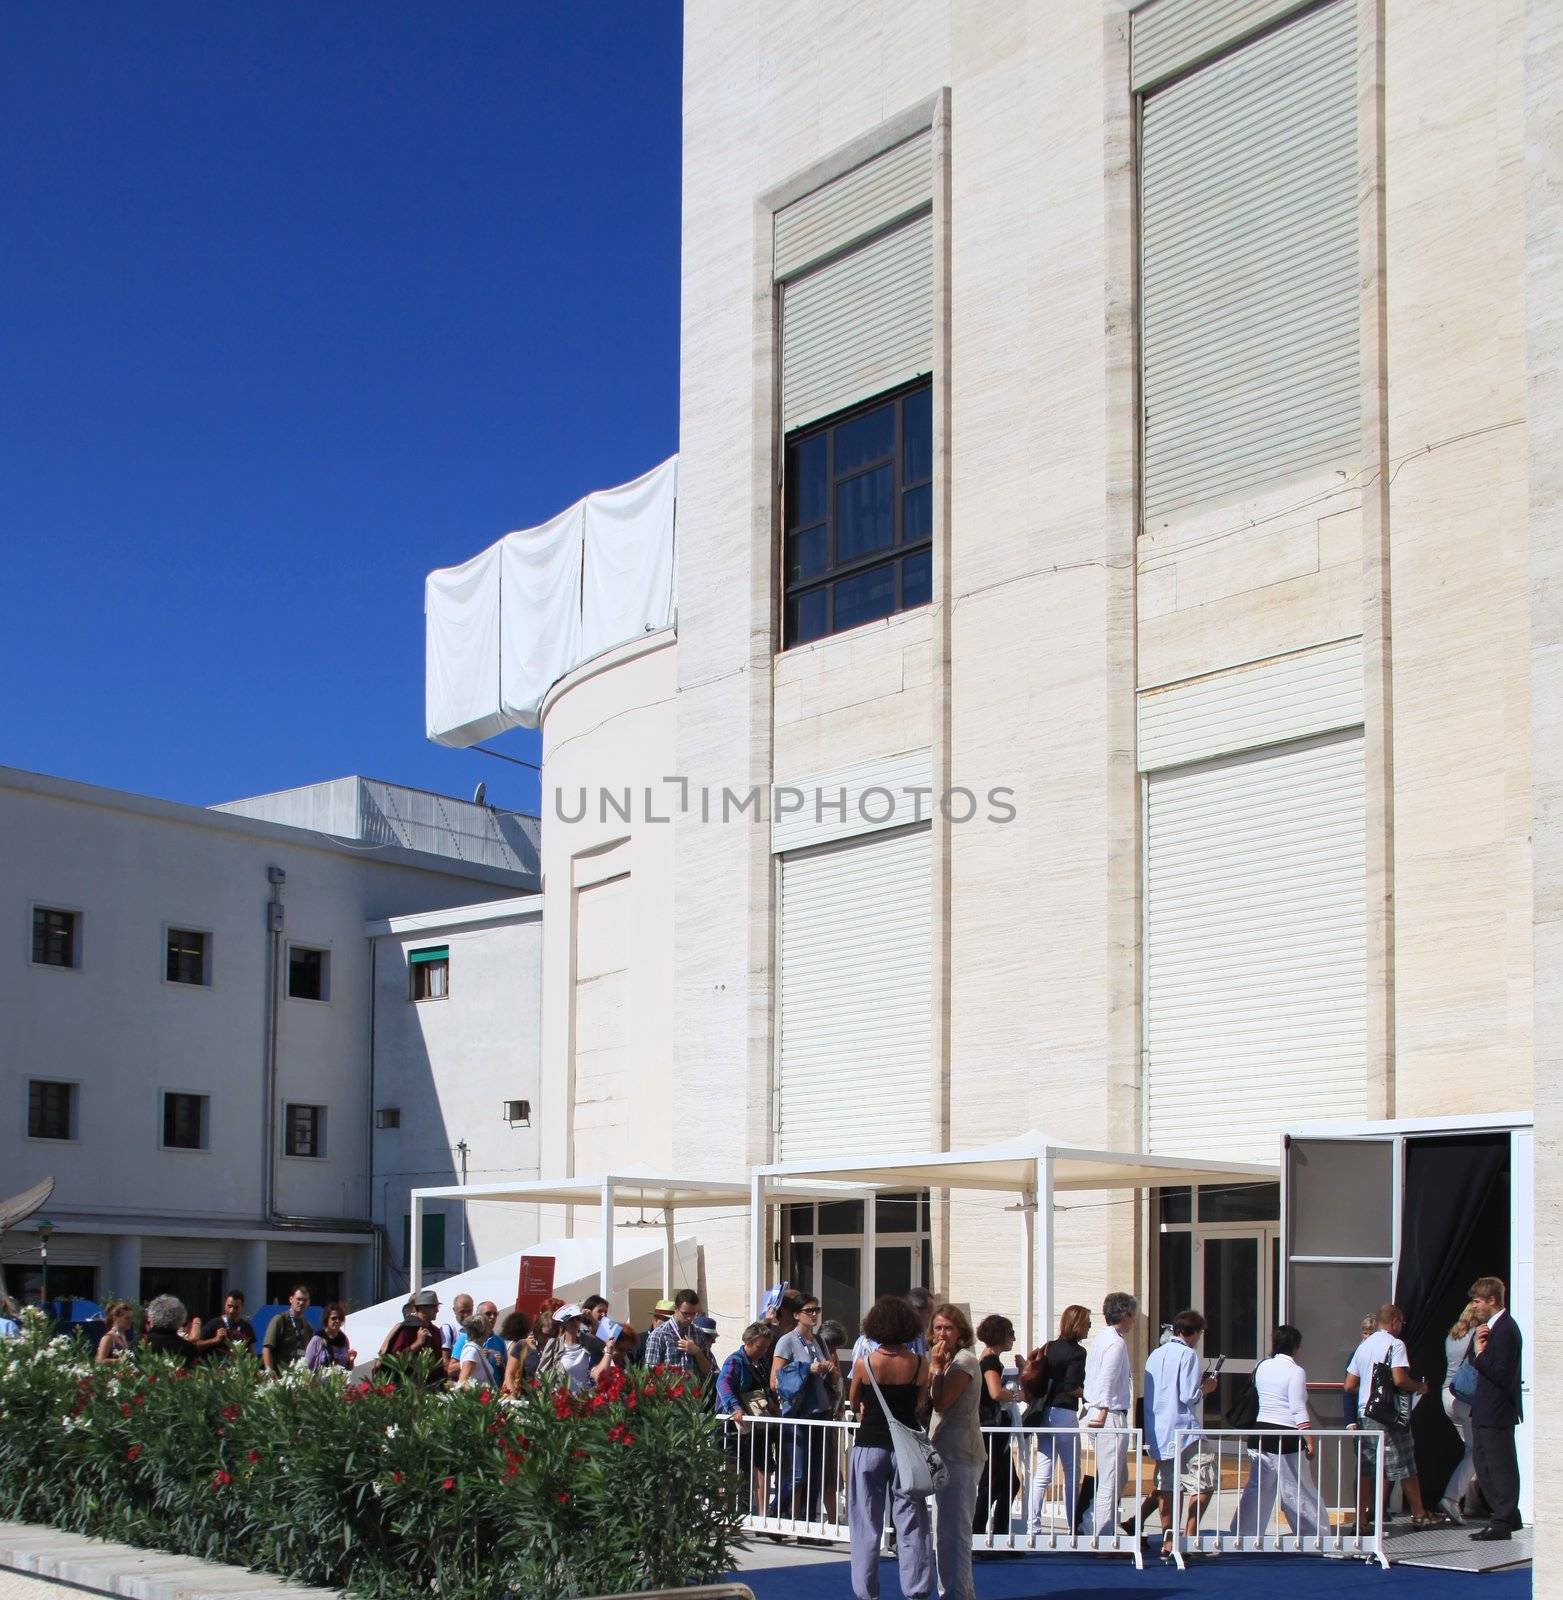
[636, 1187]
[1033, 1168]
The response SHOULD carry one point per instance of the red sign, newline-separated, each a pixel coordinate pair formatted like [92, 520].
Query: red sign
[535, 1283]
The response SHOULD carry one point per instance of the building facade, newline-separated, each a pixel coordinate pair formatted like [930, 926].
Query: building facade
[186, 1041]
[1104, 549]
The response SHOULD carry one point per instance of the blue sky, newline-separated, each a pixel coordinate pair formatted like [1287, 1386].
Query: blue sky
[300, 301]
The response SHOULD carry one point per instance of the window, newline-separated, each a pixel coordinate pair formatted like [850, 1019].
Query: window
[186, 957]
[430, 969]
[858, 541]
[309, 973]
[51, 1110]
[184, 1121]
[54, 937]
[305, 1130]
[433, 1240]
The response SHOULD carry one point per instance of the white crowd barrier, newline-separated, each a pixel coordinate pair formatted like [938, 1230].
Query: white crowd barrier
[791, 1479]
[1274, 1490]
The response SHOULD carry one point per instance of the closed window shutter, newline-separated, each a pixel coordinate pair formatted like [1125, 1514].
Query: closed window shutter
[1249, 266]
[856, 1033]
[1256, 948]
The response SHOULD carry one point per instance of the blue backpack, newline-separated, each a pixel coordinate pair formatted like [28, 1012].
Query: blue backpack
[793, 1387]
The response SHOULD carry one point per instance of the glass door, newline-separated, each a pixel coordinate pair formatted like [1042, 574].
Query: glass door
[1235, 1288]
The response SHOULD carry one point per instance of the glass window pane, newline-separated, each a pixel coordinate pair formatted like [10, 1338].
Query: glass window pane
[806, 616]
[865, 514]
[798, 1218]
[896, 1214]
[917, 515]
[1326, 1304]
[1232, 1298]
[800, 1267]
[841, 1216]
[892, 1269]
[806, 481]
[841, 1286]
[917, 436]
[1244, 1202]
[1175, 1205]
[1341, 1197]
[865, 597]
[870, 437]
[1175, 1278]
[916, 580]
[806, 553]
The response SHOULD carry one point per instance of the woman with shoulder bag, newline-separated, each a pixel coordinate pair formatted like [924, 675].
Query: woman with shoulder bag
[1052, 1381]
[888, 1380]
[996, 1491]
[1457, 1347]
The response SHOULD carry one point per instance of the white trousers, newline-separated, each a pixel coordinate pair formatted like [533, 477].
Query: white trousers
[1110, 1450]
[1459, 1413]
[1271, 1477]
[1060, 1453]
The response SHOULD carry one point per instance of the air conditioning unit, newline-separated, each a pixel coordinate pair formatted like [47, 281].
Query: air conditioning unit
[518, 1113]
[388, 1117]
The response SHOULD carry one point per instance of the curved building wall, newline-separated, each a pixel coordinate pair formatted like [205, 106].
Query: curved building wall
[607, 1087]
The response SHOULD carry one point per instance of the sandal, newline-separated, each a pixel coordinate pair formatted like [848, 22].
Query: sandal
[1430, 1519]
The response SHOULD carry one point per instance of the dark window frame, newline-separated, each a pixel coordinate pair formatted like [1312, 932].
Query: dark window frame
[181, 958]
[316, 1141]
[894, 555]
[323, 968]
[421, 967]
[45, 933]
[178, 1106]
[41, 1116]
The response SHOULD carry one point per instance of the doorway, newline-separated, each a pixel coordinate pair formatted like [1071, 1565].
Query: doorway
[823, 1248]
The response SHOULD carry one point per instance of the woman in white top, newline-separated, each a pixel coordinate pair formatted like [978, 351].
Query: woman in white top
[1458, 1412]
[477, 1365]
[1280, 1466]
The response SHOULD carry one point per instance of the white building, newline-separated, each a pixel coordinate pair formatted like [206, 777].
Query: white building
[185, 1024]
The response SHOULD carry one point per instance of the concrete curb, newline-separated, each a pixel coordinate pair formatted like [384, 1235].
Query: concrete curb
[121, 1569]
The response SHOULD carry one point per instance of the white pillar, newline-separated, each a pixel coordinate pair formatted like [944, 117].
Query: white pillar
[415, 1244]
[669, 1252]
[605, 1281]
[247, 1271]
[1045, 1243]
[757, 1241]
[124, 1279]
[869, 1293]
[1028, 1255]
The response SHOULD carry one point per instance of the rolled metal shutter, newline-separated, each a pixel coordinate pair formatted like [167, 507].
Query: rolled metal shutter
[210, 1254]
[1256, 948]
[1172, 35]
[306, 1258]
[856, 1030]
[1248, 218]
[858, 325]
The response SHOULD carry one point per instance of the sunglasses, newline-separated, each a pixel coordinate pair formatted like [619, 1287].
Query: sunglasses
[808, 1311]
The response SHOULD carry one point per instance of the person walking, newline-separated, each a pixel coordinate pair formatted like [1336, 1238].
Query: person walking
[513, 1333]
[166, 1318]
[677, 1343]
[902, 1377]
[1108, 1394]
[329, 1347]
[229, 1333]
[1175, 1390]
[1457, 1346]
[955, 1390]
[742, 1393]
[288, 1333]
[996, 1490]
[1051, 1383]
[1385, 1347]
[1498, 1408]
[1279, 1466]
[799, 1363]
[476, 1367]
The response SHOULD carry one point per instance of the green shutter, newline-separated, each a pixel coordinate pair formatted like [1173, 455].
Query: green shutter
[433, 1239]
[434, 952]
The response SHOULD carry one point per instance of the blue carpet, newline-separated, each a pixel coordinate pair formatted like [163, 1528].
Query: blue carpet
[1093, 1577]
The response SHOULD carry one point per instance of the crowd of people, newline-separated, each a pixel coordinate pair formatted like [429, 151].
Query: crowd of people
[919, 1365]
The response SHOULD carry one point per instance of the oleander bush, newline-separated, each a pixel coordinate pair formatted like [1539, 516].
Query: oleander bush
[387, 1489]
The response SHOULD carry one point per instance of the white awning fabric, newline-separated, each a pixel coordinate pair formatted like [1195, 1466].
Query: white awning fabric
[504, 627]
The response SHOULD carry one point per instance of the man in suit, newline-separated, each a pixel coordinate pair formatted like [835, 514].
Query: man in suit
[1495, 1354]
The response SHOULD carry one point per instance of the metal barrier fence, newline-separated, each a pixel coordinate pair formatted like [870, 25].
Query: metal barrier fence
[791, 1480]
[1273, 1489]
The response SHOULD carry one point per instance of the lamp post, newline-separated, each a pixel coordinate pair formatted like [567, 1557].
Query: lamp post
[463, 1150]
[45, 1231]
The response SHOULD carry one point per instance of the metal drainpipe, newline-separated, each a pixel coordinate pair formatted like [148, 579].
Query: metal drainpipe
[277, 877]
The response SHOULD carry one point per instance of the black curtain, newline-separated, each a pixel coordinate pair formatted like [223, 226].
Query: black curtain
[1454, 1227]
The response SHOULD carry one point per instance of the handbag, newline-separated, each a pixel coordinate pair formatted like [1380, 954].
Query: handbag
[1463, 1384]
[1244, 1411]
[919, 1468]
[1383, 1406]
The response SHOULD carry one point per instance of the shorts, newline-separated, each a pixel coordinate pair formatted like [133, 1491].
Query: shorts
[1167, 1470]
[1399, 1450]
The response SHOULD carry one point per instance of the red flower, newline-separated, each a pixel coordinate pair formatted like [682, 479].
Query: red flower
[396, 1477]
[133, 1452]
[124, 1410]
[677, 1391]
[561, 1498]
[628, 1438]
[220, 1480]
[510, 1471]
[140, 1399]
[253, 1457]
[230, 1413]
[485, 1397]
[448, 1484]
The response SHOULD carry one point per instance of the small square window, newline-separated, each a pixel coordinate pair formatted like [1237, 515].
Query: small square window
[306, 1130]
[309, 973]
[184, 1121]
[430, 972]
[186, 953]
[55, 942]
[51, 1110]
